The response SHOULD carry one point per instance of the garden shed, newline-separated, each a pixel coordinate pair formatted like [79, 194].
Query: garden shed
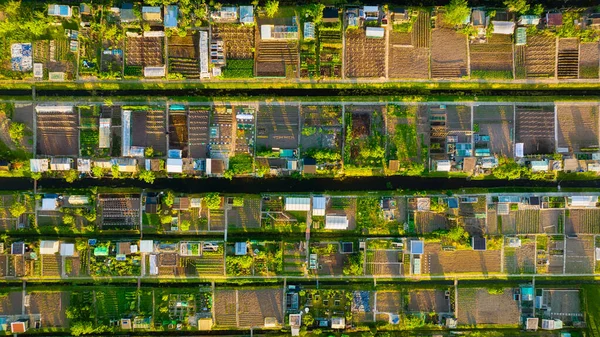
[60, 164]
[17, 248]
[336, 222]
[49, 204]
[151, 13]
[174, 165]
[375, 32]
[146, 246]
[417, 247]
[171, 16]
[63, 11]
[479, 244]
[48, 247]
[527, 20]
[587, 201]
[503, 27]
[38, 165]
[84, 165]
[247, 15]
[241, 248]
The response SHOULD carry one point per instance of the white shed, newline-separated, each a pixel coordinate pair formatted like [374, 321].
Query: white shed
[49, 204]
[38, 165]
[297, 204]
[503, 27]
[443, 166]
[48, 247]
[146, 246]
[583, 201]
[375, 32]
[336, 222]
[174, 165]
[539, 165]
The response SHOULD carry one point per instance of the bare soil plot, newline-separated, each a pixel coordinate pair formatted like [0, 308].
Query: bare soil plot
[448, 53]
[326, 121]
[12, 303]
[148, 129]
[144, 51]
[549, 220]
[497, 122]
[563, 304]
[458, 117]
[277, 126]
[364, 57]
[436, 261]
[238, 40]
[247, 216]
[277, 59]
[577, 126]
[57, 134]
[178, 132]
[478, 306]
[256, 305]
[540, 56]
[589, 59]
[51, 306]
[494, 55]
[520, 260]
[580, 255]
[568, 58]
[583, 221]
[217, 219]
[409, 52]
[184, 55]
[473, 215]
[428, 301]
[535, 128]
[225, 308]
[389, 301]
[198, 132]
[427, 222]
[384, 262]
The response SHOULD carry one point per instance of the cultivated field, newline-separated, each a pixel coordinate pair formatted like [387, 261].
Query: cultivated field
[294, 257]
[57, 134]
[277, 126]
[577, 126]
[563, 304]
[535, 128]
[427, 222]
[497, 122]
[198, 135]
[390, 301]
[589, 58]
[409, 52]
[178, 131]
[568, 58]
[384, 262]
[238, 40]
[549, 220]
[478, 306]
[583, 221]
[148, 129]
[256, 305]
[540, 56]
[580, 255]
[247, 216]
[436, 261]
[225, 308]
[184, 55]
[144, 51]
[364, 57]
[496, 55]
[51, 306]
[221, 131]
[448, 53]
[277, 59]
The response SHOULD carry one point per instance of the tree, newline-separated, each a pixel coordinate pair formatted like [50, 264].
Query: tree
[272, 7]
[97, 172]
[508, 169]
[185, 225]
[36, 175]
[169, 199]
[538, 9]
[228, 174]
[17, 209]
[241, 163]
[147, 176]
[354, 265]
[517, 6]
[16, 131]
[71, 176]
[458, 234]
[213, 201]
[68, 219]
[308, 320]
[82, 328]
[457, 11]
[149, 151]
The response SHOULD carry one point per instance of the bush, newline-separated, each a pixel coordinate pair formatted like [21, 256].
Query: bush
[71, 176]
[97, 172]
[241, 164]
[213, 201]
[169, 199]
[16, 131]
[456, 12]
[272, 7]
[17, 209]
[147, 176]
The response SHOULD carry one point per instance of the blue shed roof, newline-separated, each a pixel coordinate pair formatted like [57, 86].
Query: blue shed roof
[171, 16]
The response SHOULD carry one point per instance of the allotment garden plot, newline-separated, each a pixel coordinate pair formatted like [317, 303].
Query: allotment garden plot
[51, 306]
[520, 259]
[57, 133]
[577, 127]
[143, 51]
[148, 129]
[321, 128]
[580, 257]
[402, 138]
[248, 308]
[589, 59]
[448, 53]
[245, 216]
[479, 306]
[198, 130]
[58, 58]
[537, 59]
[277, 126]
[495, 126]
[493, 59]
[583, 221]
[364, 57]
[385, 262]
[178, 129]
[184, 55]
[364, 142]
[535, 129]
[437, 261]
[409, 52]
[428, 300]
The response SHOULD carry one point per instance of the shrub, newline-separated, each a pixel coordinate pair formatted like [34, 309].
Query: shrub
[213, 201]
[17, 209]
[16, 131]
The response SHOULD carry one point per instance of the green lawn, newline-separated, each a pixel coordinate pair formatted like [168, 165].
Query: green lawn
[591, 302]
